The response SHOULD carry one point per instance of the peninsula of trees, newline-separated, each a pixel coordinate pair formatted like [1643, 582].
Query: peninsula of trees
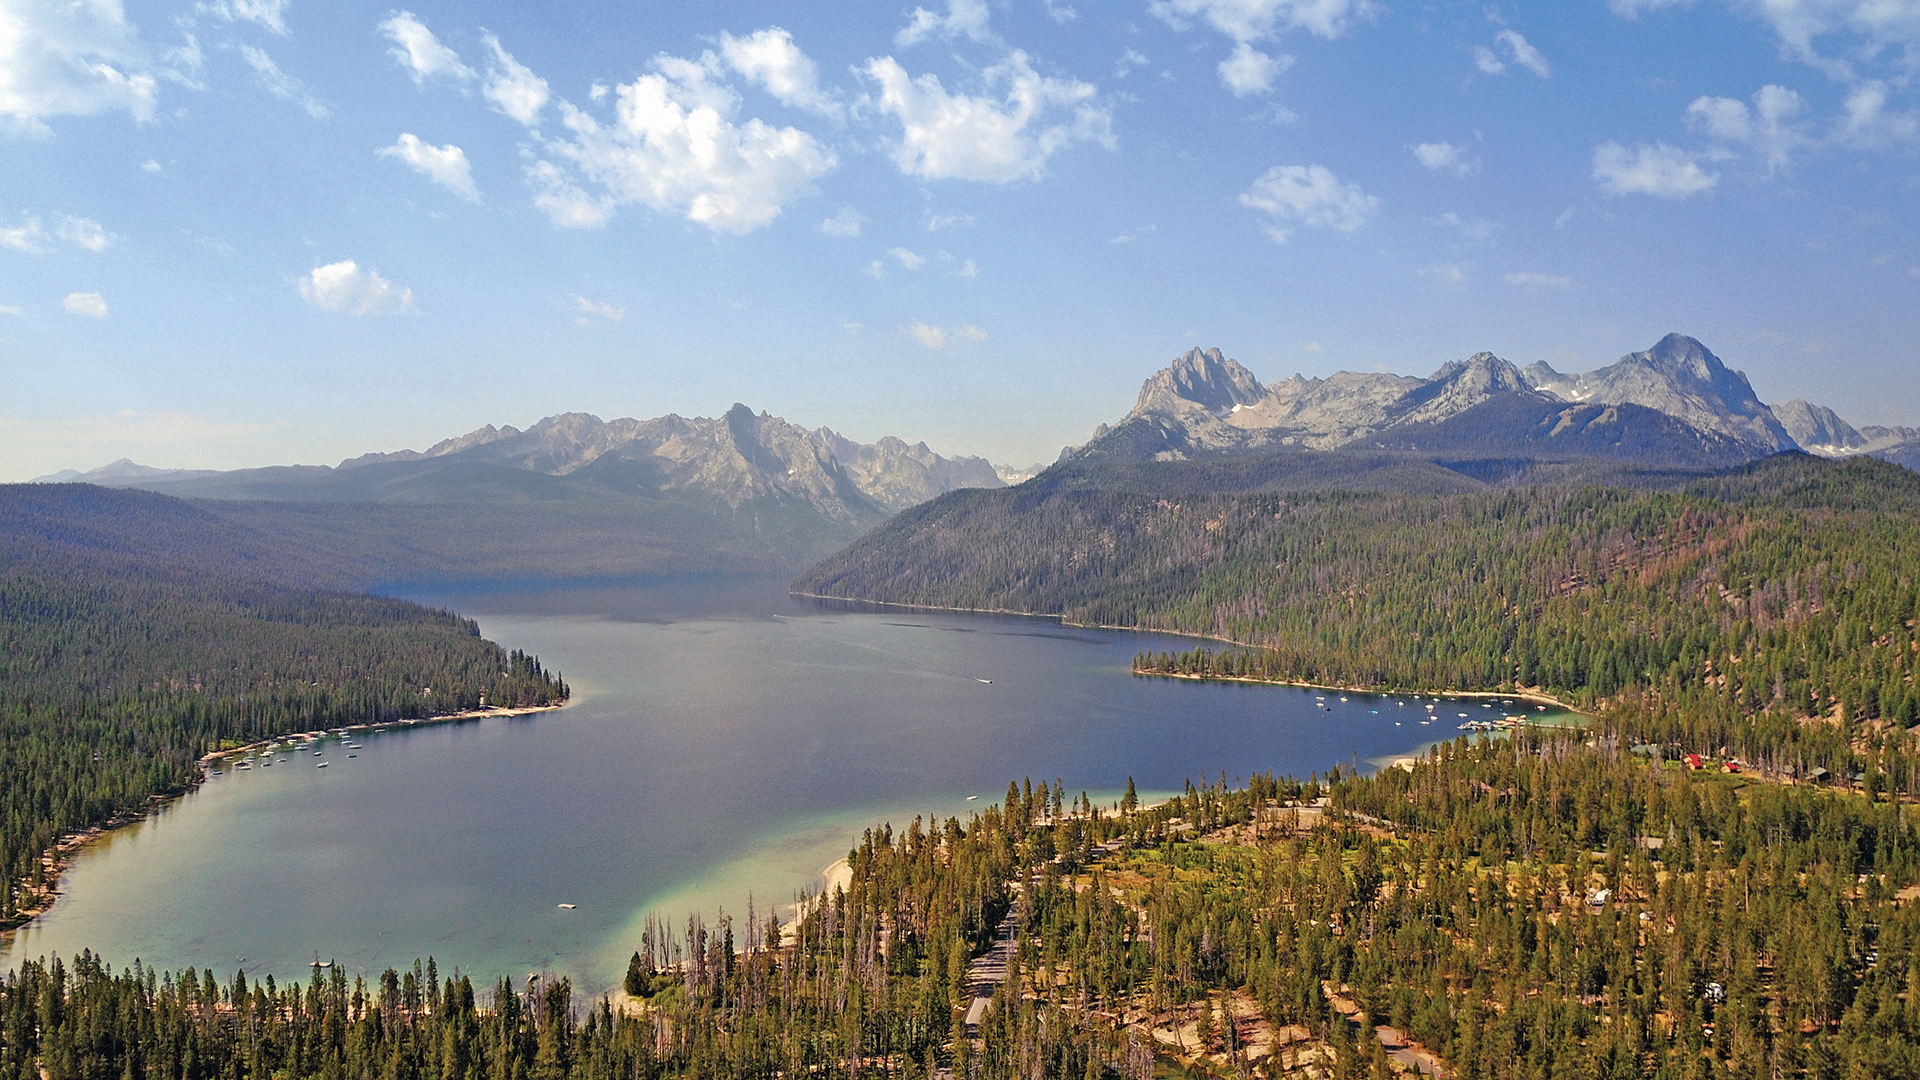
[137, 634]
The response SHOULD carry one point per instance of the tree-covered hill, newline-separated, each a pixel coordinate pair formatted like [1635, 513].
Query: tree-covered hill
[1768, 611]
[138, 632]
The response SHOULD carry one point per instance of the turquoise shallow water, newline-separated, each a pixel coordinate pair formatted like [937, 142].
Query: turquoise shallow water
[725, 742]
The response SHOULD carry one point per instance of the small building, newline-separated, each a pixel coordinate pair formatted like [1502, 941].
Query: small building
[1694, 762]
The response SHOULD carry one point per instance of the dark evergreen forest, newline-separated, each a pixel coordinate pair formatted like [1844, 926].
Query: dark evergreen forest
[1766, 614]
[137, 634]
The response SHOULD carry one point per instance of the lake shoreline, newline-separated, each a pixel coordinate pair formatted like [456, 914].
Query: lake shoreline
[55, 860]
[1535, 696]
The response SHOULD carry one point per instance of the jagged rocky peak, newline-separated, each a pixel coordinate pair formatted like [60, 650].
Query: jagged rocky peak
[1459, 385]
[1482, 373]
[1679, 377]
[1819, 430]
[1202, 377]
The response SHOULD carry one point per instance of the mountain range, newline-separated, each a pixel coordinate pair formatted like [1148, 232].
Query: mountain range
[1673, 406]
[575, 496]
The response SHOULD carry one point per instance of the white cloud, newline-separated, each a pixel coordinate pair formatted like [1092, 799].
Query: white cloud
[907, 258]
[994, 139]
[1519, 49]
[1129, 60]
[86, 233]
[1252, 20]
[514, 89]
[1445, 157]
[444, 165]
[594, 309]
[1130, 237]
[1867, 123]
[150, 165]
[770, 58]
[674, 146]
[31, 237]
[937, 338]
[1524, 53]
[1528, 280]
[1307, 195]
[282, 85]
[876, 270]
[1248, 71]
[70, 58]
[963, 18]
[7, 309]
[937, 222]
[26, 236]
[1060, 13]
[845, 224]
[1451, 275]
[420, 52]
[1770, 129]
[564, 202]
[967, 270]
[1863, 31]
[90, 304]
[343, 286]
[1662, 170]
[271, 14]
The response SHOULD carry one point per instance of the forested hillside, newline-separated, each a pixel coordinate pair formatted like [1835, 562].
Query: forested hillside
[137, 633]
[1766, 613]
[1523, 908]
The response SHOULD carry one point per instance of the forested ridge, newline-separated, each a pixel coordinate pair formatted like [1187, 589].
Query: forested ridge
[1767, 613]
[137, 634]
[1524, 908]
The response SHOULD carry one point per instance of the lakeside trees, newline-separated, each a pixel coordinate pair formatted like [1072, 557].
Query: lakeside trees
[1766, 614]
[123, 661]
[1526, 907]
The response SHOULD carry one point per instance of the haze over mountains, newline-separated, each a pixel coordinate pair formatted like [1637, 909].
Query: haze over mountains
[574, 496]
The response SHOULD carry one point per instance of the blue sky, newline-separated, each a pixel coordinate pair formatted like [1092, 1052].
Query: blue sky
[249, 232]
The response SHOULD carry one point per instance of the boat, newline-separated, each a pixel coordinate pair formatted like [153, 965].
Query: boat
[566, 907]
[970, 798]
[321, 765]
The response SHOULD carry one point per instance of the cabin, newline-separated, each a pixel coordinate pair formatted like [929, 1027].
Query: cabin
[1694, 762]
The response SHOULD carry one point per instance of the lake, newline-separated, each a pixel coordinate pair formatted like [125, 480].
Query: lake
[725, 743]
